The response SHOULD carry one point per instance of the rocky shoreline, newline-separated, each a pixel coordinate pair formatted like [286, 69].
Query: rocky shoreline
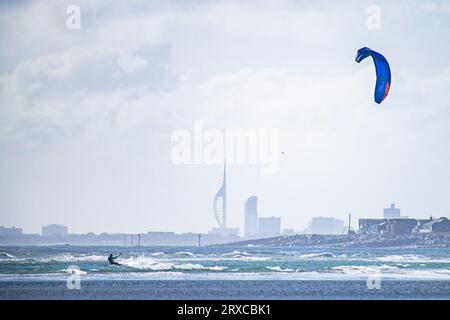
[354, 240]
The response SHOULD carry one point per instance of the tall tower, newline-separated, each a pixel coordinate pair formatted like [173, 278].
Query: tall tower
[220, 201]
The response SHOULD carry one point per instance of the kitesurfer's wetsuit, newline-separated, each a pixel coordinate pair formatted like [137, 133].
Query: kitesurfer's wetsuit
[111, 260]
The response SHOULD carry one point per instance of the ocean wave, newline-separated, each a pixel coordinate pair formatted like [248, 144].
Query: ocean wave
[411, 258]
[146, 263]
[253, 258]
[192, 266]
[404, 265]
[157, 254]
[317, 255]
[234, 258]
[184, 254]
[73, 258]
[364, 269]
[7, 256]
[360, 254]
[238, 255]
[388, 271]
[279, 269]
[235, 253]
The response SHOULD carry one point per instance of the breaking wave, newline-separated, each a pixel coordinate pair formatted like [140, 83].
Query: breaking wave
[6, 256]
[235, 254]
[388, 271]
[238, 255]
[146, 263]
[364, 269]
[184, 254]
[157, 254]
[317, 255]
[411, 258]
[74, 258]
[279, 269]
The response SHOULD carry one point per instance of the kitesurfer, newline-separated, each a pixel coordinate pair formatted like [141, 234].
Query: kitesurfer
[111, 259]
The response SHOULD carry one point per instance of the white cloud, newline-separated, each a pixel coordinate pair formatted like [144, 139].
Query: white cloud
[130, 63]
[437, 7]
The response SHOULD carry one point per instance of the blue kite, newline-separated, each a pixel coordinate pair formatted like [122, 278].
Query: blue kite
[382, 69]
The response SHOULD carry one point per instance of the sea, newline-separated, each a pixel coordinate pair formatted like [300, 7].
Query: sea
[223, 272]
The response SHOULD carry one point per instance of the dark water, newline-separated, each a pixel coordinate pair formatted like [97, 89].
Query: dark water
[224, 273]
[229, 289]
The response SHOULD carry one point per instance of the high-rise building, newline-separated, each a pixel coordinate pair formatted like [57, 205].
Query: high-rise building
[251, 216]
[269, 226]
[392, 212]
[54, 230]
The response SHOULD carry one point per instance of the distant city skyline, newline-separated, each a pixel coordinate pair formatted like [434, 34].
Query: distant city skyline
[87, 115]
[254, 225]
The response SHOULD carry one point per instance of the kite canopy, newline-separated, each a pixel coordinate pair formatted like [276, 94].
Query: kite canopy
[382, 69]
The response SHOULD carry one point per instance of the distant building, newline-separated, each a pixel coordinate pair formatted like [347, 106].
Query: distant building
[392, 212]
[269, 226]
[370, 226]
[160, 234]
[436, 225]
[54, 230]
[13, 231]
[403, 226]
[251, 217]
[397, 227]
[326, 225]
[289, 231]
[224, 231]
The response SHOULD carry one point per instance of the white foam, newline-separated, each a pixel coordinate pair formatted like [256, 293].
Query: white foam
[237, 258]
[72, 258]
[235, 254]
[157, 254]
[191, 266]
[364, 269]
[317, 255]
[279, 269]
[4, 256]
[147, 263]
[411, 258]
[387, 271]
[184, 253]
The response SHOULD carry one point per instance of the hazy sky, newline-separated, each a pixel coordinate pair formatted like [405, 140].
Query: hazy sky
[86, 116]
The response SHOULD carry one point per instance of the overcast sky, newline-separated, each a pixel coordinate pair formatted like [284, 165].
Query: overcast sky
[86, 116]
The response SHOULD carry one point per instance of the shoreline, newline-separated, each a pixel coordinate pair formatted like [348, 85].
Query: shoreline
[353, 240]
